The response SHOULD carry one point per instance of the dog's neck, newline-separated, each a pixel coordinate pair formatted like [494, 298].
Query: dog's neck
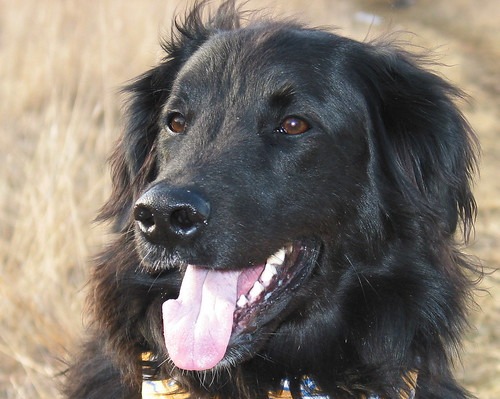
[168, 389]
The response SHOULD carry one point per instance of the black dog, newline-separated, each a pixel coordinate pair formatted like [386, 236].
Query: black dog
[287, 205]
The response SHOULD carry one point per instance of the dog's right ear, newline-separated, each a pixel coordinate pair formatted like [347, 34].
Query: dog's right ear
[133, 160]
[133, 163]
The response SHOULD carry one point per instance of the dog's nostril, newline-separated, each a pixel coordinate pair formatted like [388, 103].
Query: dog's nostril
[180, 218]
[145, 217]
[186, 220]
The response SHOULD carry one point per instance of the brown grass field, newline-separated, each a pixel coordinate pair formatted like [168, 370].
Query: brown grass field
[62, 63]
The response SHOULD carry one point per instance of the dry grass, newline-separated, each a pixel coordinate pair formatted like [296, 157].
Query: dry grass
[60, 115]
[62, 63]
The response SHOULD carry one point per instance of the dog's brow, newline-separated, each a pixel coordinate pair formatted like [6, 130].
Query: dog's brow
[283, 96]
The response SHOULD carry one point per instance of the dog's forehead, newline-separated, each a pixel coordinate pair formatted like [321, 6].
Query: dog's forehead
[261, 59]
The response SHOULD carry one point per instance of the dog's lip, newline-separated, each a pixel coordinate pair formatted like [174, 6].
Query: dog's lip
[273, 290]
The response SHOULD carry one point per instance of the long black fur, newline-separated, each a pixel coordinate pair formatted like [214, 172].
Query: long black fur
[382, 180]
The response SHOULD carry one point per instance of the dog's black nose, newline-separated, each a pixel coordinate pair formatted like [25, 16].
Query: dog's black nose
[164, 214]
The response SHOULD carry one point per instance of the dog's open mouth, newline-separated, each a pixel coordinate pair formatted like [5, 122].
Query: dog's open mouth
[216, 306]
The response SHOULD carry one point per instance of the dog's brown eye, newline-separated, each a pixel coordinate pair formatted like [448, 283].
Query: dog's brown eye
[293, 125]
[177, 123]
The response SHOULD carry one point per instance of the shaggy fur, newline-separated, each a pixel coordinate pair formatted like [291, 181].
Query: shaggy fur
[277, 133]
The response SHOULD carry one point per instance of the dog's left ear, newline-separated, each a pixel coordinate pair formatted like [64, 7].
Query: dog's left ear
[427, 148]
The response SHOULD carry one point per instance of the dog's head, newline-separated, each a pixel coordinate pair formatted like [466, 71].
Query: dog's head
[272, 163]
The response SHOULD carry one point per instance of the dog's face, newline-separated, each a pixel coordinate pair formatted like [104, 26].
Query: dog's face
[288, 200]
[245, 127]
[256, 156]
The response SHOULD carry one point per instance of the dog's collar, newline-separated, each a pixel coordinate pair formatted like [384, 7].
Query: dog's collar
[168, 389]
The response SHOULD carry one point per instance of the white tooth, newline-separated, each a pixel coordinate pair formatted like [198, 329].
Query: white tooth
[267, 275]
[242, 301]
[256, 290]
[289, 249]
[277, 258]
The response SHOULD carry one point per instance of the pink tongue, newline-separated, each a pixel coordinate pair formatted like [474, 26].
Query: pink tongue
[198, 324]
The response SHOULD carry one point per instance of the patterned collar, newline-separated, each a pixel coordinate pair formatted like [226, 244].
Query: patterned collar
[169, 390]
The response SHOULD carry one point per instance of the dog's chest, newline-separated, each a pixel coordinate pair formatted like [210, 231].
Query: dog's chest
[167, 390]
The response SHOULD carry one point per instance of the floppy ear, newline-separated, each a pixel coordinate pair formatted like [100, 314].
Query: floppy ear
[133, 163]
[133, 160]
[427, 149]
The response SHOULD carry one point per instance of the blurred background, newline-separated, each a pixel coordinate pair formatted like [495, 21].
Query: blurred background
[62, 63]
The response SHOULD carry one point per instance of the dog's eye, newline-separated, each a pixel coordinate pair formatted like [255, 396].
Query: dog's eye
[176, 122]
[293, 125]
